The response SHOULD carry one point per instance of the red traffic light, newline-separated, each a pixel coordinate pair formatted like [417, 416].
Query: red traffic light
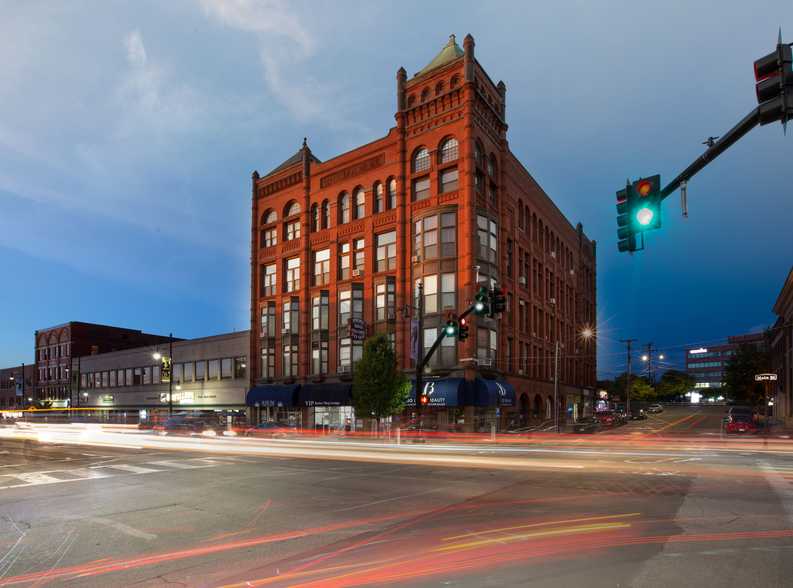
[644, 188]
[463, 322]
[451, 316]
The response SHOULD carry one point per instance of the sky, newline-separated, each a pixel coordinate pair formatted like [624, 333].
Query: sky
[129, 132]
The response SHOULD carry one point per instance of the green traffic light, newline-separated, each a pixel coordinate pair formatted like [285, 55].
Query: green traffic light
[644, 216]
[451, 331]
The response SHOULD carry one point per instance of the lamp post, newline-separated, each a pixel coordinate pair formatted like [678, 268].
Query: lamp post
[170, 379]
[420, 352]
[586, 334]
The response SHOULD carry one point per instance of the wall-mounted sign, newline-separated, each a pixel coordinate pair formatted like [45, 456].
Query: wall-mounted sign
[107, 398]
[700, 350]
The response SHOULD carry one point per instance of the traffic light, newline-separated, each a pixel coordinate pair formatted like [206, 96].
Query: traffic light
[481, 298]
[775, 85]
[647, 212]
[498, 300]
[451, 324]
[425, 399]
[462, 331]
[626, 232]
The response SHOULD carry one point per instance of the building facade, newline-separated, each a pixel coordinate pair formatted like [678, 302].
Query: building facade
[706, 364]
[58, 350]
[16, 387]
[209, 374]
[339, 248]
[782, 354]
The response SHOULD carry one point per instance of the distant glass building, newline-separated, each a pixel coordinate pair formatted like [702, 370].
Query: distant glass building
[706, 364]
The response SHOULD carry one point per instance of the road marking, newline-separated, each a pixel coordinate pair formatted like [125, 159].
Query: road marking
[780, 485]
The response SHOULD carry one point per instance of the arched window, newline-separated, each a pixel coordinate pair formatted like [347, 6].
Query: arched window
[491, 166]
[422, 160]
[454, 83]
[478, 153]
[360, 203]
[314, 218]
[379, 197]
[425, 94]
[325, 214]
[344, 209]
[439, 88]
[269, 217]
[292, 208]
[539, 233]
[520, 215]
[411, 100]
[534, 228]
[391, 203]
[449, 150]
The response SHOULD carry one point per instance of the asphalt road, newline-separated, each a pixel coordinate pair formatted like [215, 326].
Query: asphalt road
[663, 502]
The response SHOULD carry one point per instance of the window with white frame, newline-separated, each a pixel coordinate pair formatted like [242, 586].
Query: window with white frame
[268, 280]
[344, 261]
[359, 199]
[320, 310]
[291, 316]
[321, 267]
[379, 197]
[292, 275]
[386, 251]
[449, 151]
[448, 180]
[421, 161]
[487, 239]
[385, 299]
[344, 209]
[292, 230]
[392, 194]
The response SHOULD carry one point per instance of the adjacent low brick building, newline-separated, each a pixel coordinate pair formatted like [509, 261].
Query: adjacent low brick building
[441, 201]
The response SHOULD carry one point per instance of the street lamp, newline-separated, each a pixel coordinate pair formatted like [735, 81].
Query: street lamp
[158, 356]
[420, 351]
[586, 334]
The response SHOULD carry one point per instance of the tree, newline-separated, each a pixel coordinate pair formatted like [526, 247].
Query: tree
[746, 362]
[619, 388]
[379, 389]
[674, 383]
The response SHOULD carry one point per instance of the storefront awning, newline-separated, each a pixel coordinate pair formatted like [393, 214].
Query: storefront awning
[451, 392]
[274, 396]
[486, 392]
[324, 395]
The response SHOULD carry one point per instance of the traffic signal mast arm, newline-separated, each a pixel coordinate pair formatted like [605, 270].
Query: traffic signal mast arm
[423, 363]
[747, 124]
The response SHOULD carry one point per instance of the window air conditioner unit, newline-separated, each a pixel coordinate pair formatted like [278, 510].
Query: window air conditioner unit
[520, 372]
[344, 369]
[522, 281]
[572, 272]
[553, 300]
[576, 351]
[534, 334]
[286, 331]
[391, 316]
[416, 258]
[483, 361]
[553, 254]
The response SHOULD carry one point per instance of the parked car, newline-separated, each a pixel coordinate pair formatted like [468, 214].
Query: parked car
[655, 408]
[637, 414]
[740, 423]
[270, 430]
[588, 425]
[192, 428]
[608, 419]
[739, 410]
[622, 416]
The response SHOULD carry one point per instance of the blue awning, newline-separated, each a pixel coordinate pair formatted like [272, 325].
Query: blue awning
[450, 392]
[273, 396]
[486, 392]
[324, 395]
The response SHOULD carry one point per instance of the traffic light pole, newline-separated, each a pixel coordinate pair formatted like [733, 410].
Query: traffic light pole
[749, 122]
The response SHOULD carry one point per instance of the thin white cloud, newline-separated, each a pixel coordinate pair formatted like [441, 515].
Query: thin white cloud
[136, 52]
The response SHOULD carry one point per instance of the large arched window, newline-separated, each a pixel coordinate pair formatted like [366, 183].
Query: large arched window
[269, 217]
[439, 88]
[421, 161]
[344, 209]
[454, 82]
[359, 203]
[449, 150]
[425, 94]
[292, 208]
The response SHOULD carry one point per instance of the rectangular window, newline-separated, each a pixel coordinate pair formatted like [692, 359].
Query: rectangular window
[200, 371]
[358, 261]
[239, 368]
[225, 369]
[136, 377]
[449, 180]
[319, 353]
[344, 261]
[430, 237]
[322, 267]
[292, 230]
[113, 378]
[268, 280]
[269, 237]
[291, 316]
[430, 294]
[292, 279]
[386, 251]
[146, 377]
[187, 372]
[267, 328]
[290, 360]
[320, 304]
[267, 368]
[176, 372]
[448, 234]
[421, 189]
[212, 369]
[448, 293]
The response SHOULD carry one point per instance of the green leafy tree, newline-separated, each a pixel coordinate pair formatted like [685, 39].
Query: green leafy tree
[619, 389]
[674, 383]
[641, 391]
[379, 389]
[746, 362]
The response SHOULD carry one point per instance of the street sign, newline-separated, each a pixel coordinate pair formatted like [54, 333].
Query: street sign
[765, 377]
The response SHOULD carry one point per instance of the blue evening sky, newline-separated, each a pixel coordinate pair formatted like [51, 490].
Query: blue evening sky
[129, 132]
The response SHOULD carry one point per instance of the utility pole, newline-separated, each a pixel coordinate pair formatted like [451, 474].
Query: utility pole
[628, 394]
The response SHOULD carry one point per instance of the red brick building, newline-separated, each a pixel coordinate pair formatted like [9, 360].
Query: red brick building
[441, 201]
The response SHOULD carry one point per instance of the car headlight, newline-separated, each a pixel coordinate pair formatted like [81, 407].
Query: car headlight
[229, 433]
[208, 433]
